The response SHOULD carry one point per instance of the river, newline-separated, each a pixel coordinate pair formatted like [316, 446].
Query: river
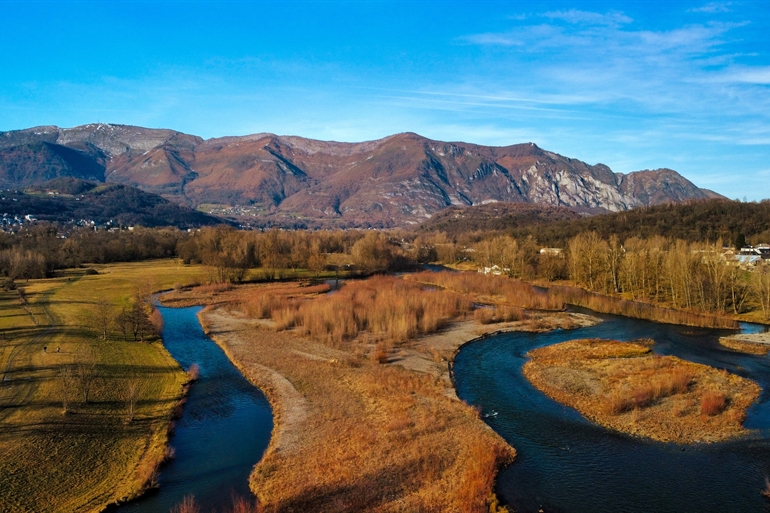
[567, 464]
[223, 432]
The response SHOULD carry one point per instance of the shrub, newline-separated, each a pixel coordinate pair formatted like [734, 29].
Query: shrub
[616, 402]
[511, 292]
[380, 354]
[188, 505]
[712, 403]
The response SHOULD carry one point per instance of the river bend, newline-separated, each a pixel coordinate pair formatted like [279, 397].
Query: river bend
[567, 464]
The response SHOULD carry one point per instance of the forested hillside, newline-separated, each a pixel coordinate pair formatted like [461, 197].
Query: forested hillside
[69, 200]
[697, 221]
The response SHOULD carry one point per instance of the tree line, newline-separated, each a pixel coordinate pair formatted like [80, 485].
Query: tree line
[694, 276]
[37, 251]
[691, 275]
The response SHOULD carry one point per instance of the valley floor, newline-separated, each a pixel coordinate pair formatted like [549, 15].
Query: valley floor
[353, 434]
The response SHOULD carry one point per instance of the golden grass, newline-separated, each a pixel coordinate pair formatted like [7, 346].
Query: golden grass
[745, 346]
[355, 431]
[383, 308]
[499, 313]
[374, 438]
[625, 387]
[491, 289]
[90, 457]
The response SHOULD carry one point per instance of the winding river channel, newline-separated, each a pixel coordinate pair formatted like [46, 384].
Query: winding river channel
[223, 432]
[567, 464]
[564, 463]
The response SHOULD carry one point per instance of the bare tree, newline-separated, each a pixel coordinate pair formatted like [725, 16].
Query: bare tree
[64, 382]
[130, 395]
[760, 287]
[613, 258]
[87, 372]
[316, 262]
[586, 263]
[739, 289]
[124, 323]
[101, 316]
[716, 270]
[144, 290]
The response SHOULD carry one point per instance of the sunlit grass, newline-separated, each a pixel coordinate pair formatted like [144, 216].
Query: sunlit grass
[89, 457]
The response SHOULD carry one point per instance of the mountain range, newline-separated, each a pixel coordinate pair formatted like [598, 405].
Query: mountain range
[265, 179]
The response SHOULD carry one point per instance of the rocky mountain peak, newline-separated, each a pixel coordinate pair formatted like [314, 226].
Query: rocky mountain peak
[394, 181]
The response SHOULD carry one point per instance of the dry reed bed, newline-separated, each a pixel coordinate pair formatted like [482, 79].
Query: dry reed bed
[491, 289]
[374, 438]
[637, 310]
[384, 308]
[352, 434]
[623, 386]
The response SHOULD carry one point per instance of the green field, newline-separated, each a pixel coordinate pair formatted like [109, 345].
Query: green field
[91, 456]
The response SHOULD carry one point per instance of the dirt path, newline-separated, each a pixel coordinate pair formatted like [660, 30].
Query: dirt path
[228, 332]
[432, 354]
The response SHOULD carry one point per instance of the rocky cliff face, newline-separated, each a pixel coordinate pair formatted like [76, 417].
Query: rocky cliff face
[396, 181]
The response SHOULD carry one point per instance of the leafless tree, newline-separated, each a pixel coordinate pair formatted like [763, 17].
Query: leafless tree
[760, 287]
[123, 322]
[87, 372]
[130, 394]
[316, 263]
[64, 385]
[101, 316]
[613, 258]
[586, 263]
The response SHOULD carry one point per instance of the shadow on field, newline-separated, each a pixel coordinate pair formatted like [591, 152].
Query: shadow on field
[367, 492]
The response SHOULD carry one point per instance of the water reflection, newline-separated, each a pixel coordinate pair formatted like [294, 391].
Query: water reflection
[223, 432]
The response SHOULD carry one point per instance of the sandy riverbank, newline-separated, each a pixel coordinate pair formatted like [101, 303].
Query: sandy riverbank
[755, 343]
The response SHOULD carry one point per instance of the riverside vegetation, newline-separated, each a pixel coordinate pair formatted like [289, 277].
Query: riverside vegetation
[366, 417]
[625, 387]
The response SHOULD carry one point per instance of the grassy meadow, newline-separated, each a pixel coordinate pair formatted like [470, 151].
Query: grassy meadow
[90, 456]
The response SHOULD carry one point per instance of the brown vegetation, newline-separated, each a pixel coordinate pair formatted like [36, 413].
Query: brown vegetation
[374, 437]
[188, 505]
[383, 308]
[613, 305]
[500, 290]
[625, 387]
[491, 289]
[712, 402]
[757, 343]
[354, 430]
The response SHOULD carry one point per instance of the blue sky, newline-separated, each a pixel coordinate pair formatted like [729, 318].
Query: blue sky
[634, 85]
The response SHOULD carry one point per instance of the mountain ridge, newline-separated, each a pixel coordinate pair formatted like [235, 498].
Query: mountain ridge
[399, 180]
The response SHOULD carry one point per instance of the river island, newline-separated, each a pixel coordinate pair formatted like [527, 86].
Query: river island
[624, 386]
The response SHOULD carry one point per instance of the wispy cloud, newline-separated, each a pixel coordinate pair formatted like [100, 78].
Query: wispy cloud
[589, 18]
[494, 39]
[756, 75]
[713, 8]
